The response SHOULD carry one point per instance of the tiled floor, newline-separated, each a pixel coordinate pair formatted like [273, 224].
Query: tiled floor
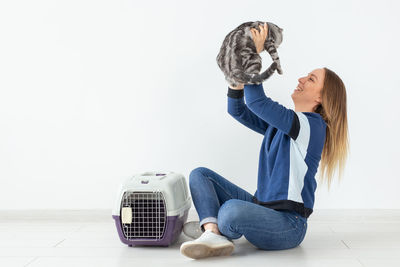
[89, 238]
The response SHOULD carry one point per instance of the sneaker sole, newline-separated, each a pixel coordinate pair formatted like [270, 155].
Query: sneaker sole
[202, 250]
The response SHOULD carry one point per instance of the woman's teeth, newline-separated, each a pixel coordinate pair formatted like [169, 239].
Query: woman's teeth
[298, 89]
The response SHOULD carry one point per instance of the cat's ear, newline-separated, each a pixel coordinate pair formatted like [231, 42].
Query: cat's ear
[280, 29]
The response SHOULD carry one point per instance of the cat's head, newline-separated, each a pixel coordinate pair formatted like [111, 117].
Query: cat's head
[275, 34]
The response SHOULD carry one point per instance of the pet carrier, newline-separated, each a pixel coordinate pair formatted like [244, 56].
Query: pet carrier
[151, 208]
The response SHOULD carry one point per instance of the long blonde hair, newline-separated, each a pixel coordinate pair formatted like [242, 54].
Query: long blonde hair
[333, 109]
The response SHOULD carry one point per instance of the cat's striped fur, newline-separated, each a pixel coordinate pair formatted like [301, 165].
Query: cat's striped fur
[238, 58]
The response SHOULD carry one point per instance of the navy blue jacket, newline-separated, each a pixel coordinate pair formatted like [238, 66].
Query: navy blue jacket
[290, 152]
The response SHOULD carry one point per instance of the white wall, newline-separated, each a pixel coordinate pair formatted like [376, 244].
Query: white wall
[94, 91]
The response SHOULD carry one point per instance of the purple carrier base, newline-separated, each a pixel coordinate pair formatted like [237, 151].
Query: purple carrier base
[173, 229]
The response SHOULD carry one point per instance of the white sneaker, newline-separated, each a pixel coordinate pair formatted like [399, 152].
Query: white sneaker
[208, 244]
[192, 229]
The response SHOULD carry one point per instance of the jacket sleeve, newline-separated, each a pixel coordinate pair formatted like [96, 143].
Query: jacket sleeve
[238, 110]
[270, 111]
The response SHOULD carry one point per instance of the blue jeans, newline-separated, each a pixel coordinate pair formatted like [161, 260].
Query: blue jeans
[219, 201]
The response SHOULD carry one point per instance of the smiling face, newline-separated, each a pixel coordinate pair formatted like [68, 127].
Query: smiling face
[307, 95]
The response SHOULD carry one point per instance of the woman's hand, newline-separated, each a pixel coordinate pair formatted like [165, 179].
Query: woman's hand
[259, 37]
[240, 86]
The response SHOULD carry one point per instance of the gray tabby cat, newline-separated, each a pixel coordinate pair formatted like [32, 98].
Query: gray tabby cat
[238, 58]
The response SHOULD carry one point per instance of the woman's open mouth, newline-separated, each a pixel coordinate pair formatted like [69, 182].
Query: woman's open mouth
[298, 89]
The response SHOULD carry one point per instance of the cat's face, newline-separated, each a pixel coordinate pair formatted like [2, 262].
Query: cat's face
[309, 93]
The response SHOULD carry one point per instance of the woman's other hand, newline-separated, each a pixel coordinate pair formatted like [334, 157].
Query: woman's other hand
[259, 37]
[240, 86]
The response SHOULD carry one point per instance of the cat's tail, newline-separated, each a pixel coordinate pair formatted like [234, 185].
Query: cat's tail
[242, 77]
[259, 78]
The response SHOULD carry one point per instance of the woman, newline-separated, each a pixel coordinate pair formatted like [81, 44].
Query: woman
[275, 217]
